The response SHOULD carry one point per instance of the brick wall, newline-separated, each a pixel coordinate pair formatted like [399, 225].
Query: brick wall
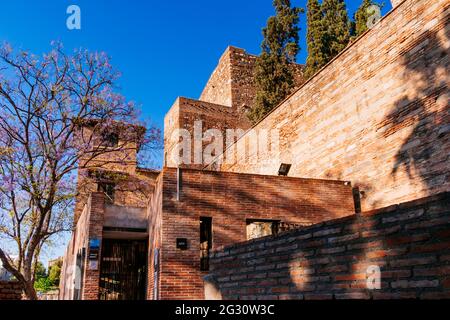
[222, 105]
[183, 115]
[218, 88]
[89, 226]
[230, 199]
[232, 82]
[10, 290]
[377, 115]
[409, 242]
[154, 231]
[95, 231]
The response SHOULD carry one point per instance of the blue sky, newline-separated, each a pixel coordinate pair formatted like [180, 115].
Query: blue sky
[164, 49]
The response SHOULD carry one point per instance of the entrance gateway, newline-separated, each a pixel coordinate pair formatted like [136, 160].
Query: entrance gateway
[123, 270]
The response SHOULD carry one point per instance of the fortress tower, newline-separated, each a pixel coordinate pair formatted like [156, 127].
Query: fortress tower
[229, 93]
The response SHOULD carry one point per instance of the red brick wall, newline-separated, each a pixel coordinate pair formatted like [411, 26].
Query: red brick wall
[377, 115]
[154, 230]
[230, 88]
[232, 82]
[230, 199]
[89, 226]
[183, 115]
[95, 231]
[409, 242]
[10, 290]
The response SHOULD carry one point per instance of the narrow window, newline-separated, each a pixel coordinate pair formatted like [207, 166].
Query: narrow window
[110, 140]
[205, 242]
[109, 189]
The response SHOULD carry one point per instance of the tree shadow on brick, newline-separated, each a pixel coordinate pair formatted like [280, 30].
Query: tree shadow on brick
[408, 244]
[426, 150]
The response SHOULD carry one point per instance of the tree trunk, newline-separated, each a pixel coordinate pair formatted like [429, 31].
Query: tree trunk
[30, 293]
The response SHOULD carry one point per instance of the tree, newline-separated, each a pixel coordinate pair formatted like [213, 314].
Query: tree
[273, 75]
[337, 27]
[39, 271]
[361, 18]
[54, 273]
[43, 284]
[46, 102]
[315, 39]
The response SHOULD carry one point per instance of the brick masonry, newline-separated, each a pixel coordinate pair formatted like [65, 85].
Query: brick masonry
[409, 242]
[89, 226]
[377, 115]
[10, 290]
[232, 82]
[183, 115]
[154, 230]
[222, 105]
[230, 199]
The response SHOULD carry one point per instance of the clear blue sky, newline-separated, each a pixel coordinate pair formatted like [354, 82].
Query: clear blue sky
[164, 49]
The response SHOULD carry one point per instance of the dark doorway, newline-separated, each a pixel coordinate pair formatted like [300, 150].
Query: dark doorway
[123, 270]
[205, 242]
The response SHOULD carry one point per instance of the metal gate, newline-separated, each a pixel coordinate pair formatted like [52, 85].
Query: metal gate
[123, 270]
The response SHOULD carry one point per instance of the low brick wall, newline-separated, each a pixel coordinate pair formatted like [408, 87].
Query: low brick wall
[10, 290]
[410, 243]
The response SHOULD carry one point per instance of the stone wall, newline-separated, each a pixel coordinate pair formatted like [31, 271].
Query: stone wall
[410, 243]
[218, 88]
[10, 290]
[232, 82]
[377, 115]
[231, 200]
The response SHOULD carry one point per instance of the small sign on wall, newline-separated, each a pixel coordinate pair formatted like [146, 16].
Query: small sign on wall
[182, 243]
[94, 250]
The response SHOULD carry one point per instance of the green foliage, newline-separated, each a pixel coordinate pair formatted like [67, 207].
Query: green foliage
[40, 271]
[328, 33]
[43, 284]
[55, 273]
[315, 39]
[273, 75]
[337, 27]
[44, 281]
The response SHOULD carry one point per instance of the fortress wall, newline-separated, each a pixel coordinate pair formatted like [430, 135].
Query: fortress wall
[378, 115]
[231, 200]
[405, 247]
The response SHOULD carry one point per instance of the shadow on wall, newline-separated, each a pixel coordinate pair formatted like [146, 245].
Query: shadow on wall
[404, 249]
[409, 244]
[230, 206]
[425, 152]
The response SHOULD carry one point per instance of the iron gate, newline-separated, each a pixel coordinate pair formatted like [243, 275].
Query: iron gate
[123, 270]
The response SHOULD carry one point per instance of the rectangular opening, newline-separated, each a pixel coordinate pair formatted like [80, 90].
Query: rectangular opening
[123, 270]
[262, 228]
[110, 140]
[205, 242]
[109, 189]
